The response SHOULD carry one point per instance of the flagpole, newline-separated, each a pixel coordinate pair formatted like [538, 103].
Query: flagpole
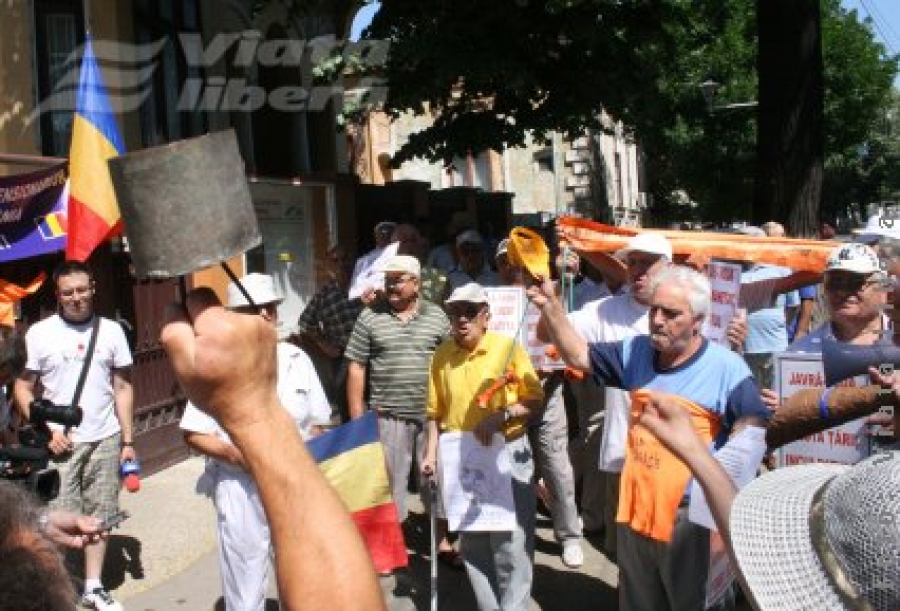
[86, 4]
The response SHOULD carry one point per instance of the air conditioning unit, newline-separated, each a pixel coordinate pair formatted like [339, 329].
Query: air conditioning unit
[573, 156]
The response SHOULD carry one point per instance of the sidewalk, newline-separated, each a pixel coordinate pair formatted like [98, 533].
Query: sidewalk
[164, 558]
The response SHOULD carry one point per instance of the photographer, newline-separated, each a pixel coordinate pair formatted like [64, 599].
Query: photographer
[12, 362]
[76, 349]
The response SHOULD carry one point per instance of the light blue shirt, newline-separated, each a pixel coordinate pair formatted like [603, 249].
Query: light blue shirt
[767, 327]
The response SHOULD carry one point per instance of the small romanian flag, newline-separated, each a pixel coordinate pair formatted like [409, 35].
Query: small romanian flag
[93, 210]
[52, 226]
[352, 459]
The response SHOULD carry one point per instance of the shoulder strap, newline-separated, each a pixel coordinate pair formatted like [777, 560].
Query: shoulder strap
[87, 362]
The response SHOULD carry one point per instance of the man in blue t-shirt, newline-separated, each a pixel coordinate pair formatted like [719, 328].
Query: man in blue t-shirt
[675, 358]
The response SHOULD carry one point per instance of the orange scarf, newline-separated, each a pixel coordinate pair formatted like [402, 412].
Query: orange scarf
[11, 293]
[653, 479]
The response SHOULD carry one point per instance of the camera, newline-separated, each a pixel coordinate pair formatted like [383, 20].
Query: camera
[27, 464]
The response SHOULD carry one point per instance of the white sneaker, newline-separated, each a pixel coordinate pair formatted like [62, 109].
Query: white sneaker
[572, 555]
[99, 599]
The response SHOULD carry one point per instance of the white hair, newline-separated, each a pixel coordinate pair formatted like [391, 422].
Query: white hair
[695, 284]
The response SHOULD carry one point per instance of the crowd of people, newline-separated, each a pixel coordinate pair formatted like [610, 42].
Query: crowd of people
[609, 446]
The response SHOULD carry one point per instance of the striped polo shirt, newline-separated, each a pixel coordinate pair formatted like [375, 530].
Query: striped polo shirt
[397, 355]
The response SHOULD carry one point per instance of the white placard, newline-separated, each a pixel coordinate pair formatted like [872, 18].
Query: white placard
[476, 483]
[369, 270]
[845, 444]
[740, 458]
[721, 575]
[725, 282]
[507, 304]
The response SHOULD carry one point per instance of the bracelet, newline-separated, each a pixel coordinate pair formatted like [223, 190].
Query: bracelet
[823, 405]
[126, 444]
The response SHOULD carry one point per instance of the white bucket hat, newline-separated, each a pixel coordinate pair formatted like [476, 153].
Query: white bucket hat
[260, 287]
[814, 537]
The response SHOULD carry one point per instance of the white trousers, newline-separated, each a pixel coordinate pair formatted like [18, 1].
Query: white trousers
[244, 544]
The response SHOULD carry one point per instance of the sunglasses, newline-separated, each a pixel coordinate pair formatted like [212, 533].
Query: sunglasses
[469, 311]
[849, 284]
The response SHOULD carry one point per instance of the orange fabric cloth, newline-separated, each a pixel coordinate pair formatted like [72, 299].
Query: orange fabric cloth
[588, 238]
[11, 293]
[653, 479]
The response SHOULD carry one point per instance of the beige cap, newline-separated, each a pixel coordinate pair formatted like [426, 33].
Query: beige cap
[404, 264]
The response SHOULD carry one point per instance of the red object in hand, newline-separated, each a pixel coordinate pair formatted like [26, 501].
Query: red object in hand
[132, 483]
[507, 378]
[130, 471]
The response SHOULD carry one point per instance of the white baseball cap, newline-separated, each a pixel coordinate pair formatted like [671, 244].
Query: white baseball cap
[260, 287]
[854, 257]
[468, 293]
[403, 264]
[653, 243]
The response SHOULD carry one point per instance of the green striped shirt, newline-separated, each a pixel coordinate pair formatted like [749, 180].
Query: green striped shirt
[397, 355]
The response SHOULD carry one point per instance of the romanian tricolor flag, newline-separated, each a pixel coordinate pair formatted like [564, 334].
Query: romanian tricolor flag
[93, 213]
[352, 459]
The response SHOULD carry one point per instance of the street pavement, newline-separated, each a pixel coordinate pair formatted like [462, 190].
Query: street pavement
[164, 558]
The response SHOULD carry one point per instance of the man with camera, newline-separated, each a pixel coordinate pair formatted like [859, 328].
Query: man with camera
[83, 361]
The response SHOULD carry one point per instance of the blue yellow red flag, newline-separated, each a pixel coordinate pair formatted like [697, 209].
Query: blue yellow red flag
[352, 459]
[93, 213]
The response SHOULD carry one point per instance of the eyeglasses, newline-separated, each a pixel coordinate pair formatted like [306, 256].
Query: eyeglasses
[849, 284]
[469, 312]
[388, 281]
[78, 290]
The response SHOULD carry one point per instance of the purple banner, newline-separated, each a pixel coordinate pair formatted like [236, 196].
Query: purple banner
[33, 213]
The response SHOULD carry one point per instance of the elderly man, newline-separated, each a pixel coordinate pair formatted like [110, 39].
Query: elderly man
[391, 344]
[472, 264]
[499, 564]
[612, 319]
[325, 326]
[244, 541]
[855, 295]
[663, 557]
[71, 351]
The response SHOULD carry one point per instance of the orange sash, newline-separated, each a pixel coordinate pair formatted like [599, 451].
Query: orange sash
[653, 479]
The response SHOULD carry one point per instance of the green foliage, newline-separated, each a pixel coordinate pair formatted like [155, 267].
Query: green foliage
[492, 72]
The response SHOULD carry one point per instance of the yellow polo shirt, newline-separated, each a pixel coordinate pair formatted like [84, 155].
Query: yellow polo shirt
[458, 376]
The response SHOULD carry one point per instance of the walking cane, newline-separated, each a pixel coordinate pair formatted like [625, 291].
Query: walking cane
[432, 493]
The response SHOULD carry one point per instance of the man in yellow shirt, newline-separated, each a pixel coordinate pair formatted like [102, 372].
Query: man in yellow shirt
[499, 564]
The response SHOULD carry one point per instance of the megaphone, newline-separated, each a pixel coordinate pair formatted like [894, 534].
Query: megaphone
[842, 361]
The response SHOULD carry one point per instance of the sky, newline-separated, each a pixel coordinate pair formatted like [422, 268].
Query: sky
[886, 17]
[884, 13]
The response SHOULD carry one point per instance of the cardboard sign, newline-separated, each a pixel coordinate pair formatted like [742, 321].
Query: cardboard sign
[507, 304]
[845, 444]
[725, 281]
[535, 348]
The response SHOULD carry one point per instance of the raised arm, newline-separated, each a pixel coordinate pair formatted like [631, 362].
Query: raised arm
[573, 349]
[226, 362]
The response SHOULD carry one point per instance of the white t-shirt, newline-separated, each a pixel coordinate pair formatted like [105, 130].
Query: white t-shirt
[298, 389]
[613, 319]
[56, 351]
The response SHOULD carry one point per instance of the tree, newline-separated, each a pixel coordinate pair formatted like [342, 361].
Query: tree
[490, 73]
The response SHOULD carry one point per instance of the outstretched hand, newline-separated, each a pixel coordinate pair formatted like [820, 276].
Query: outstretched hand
[225, 361]
[73, 530]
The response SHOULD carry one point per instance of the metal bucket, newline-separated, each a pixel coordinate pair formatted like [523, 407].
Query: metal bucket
[185, 205]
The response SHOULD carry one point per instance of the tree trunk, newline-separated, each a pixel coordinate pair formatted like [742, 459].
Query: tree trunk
[790, 141]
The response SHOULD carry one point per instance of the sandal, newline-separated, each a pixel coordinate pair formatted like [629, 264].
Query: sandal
[451, 558]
